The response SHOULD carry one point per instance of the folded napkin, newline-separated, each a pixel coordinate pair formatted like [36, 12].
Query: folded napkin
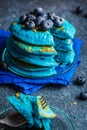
[30, 85]
[34, 109]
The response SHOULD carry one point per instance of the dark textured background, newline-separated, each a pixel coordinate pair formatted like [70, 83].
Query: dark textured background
[61, 98]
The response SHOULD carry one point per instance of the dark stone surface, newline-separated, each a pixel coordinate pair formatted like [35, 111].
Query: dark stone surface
[58, 97]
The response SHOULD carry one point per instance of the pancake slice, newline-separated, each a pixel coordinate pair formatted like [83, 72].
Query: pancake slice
[66, 31]
[30, 36]
[27, 73]
[33, 49]
[41, 60]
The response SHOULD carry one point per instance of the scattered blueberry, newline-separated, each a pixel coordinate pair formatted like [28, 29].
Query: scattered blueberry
[38, 11]
[39, 20]
[58, 22]
[51, 16]
[46, 25]
[23, 19]
[83, 96]
[29, 25]
[80, 80]
[3, 65]
[79, 10]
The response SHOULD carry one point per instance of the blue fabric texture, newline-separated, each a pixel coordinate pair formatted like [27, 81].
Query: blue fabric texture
[30, 85]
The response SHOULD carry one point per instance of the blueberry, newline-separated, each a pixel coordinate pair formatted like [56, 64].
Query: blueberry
[3, 65]
[38, 11]
[80, 80]
[29, 25]
[31, 17]
[23, 19]
[79, 10]
[39, 20]
[44, 15]
[83, 96]
[46, 25]
[58, 21]
[51, 16]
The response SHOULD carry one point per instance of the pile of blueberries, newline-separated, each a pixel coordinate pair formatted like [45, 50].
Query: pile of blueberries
[39, 18]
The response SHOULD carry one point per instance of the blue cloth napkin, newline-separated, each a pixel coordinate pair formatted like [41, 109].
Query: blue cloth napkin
[29, 85]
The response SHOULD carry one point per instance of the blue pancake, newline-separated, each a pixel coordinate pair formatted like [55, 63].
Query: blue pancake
[66, 31]
[41, 60]
[63, 44]
[27, 73]
[32, 49]
[64, 58]
[31, 53]
[31, 36]
[26, 66]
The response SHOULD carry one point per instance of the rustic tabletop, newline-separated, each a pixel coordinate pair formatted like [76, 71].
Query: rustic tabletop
[64, 98]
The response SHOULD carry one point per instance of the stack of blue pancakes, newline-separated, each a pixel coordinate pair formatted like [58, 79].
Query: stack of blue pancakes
[38, 44]
[63, 43]
[30, 53]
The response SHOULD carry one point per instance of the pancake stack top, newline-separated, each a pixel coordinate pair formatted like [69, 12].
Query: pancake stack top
[38, 43]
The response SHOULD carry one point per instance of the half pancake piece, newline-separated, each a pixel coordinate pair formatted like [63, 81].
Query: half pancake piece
[26, 66]
[31, 36]
[63, 44]
[32, 49]
[41, 60]
[64, 58]
[27, 73]
[66, 31]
